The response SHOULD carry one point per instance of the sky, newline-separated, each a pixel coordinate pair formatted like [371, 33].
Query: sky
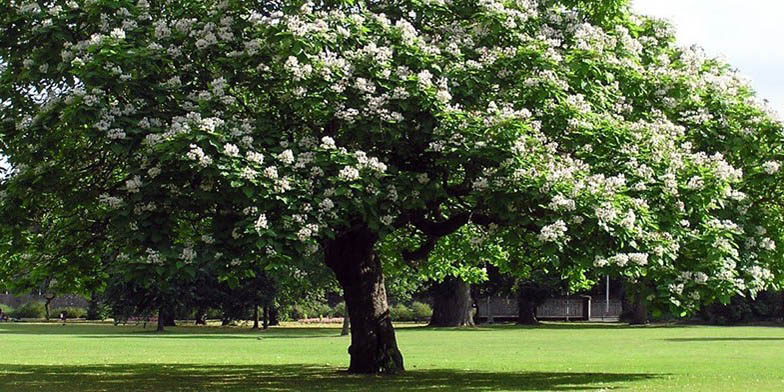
[748, 34]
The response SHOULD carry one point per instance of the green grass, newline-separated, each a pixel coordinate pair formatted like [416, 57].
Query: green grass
[553, 357]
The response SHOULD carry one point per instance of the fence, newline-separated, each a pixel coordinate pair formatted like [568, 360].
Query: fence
[559, 308]
[60, 301]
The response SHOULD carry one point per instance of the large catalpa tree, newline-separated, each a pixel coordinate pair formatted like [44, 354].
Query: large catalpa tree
[177, 133]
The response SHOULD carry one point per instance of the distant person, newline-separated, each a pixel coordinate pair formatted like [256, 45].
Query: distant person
[62, 317]
[3, 317]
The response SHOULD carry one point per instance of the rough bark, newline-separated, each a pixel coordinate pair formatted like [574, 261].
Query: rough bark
[92, 307]
[358, 270]
[346, 326]
[452, 304]
[168, 317]
[634, 311]
[639, 313]
[526, 310]
[273, 316]
[161, 322]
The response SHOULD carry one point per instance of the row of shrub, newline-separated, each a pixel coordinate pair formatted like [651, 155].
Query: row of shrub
[36, 310]
[418, 311]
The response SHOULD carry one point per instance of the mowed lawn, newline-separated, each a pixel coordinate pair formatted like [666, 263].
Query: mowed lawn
[552, 357]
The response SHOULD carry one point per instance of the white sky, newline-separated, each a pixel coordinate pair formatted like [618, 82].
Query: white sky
[749, 34]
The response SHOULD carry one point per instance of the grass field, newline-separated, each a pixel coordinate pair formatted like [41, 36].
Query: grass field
[553, 357]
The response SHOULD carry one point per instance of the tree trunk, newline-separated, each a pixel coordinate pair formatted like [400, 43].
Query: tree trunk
[168, 317]
[639, 314]
[526, 310]
[346, 326]
[265, 317]
[49, 300]
[160, 319]
[273, 316]
[358, 270]
[452, 304]
[255, 316]
[201, 316]
[92, 307]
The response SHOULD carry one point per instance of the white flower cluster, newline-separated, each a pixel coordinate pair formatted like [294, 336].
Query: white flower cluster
[553, 232]
[261, 223]
[133, 185]
[771, 167]
[188, 255]
[560, 203]
[349, 173]
[198, 155]
[231, 150]
[110, 201]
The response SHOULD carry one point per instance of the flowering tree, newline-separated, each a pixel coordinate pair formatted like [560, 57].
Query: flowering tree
[175, 133]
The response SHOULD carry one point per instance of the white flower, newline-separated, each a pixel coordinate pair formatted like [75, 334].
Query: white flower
[197, 154]
[187, 255]
[560, 203]
[638, 258]
[327, 143]
[349, 173]
[208, 239]
[771, 167]
[287, 157]
[133, 185]
[117, 33]
[304, 233]
[231, 150]
[628, 220]
[255, 157]
[110, 201]
[327, 204]
[248, 173]
[620, 259]
[271, 172]
[116, 134]
[700, 277]
[553, 232]
[261, 223]
[767, 244]
[695, 183]
[154, 171]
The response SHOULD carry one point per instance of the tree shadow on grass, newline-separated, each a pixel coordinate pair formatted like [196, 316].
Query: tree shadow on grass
[182, 332]
[726, 339]
[185, 377]
[550, 326]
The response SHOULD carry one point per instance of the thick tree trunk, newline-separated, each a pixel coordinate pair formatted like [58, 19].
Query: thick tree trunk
[168, 317]
[92, 307]
[161, 321]
[634, 310]
[373, 346]
[452, 304]
[639, 313]
[346, 326]
[526, 310]
[273, 316]
[255, 317]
